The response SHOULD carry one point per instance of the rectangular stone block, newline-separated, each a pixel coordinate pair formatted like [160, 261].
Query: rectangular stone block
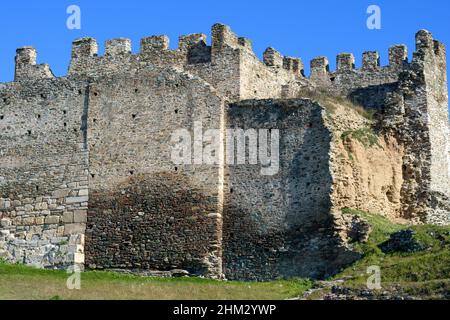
[5, 234]
[5, 204]
[5, 223]
[49, 234]
[62, 193]
[72, 200]
[67, 217]
[60, 231]
[28, 221]
[80, 216]
[77, 239]
[83, 192]
[52, 220]
[72, 185]
[41, 206]
[74, 228]
[39, 220]
[78, 258]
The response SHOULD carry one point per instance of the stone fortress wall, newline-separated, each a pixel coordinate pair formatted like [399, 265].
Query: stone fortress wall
[86, 176]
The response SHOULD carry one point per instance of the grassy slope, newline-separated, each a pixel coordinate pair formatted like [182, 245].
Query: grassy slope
[420, 273]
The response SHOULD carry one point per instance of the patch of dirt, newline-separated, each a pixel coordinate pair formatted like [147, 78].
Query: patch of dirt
[366, 166]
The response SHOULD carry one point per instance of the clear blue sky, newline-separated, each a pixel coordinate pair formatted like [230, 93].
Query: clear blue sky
[297, 28]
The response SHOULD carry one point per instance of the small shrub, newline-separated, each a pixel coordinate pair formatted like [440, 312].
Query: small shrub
[328, 101]
[364, 135]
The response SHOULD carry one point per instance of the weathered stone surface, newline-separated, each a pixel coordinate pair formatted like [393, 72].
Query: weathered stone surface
[60, 193]
[52, 220]
[71, 200]
[90, 154]
[402, 241]
[67, 217]
[80, 216]
[74, 228]
[353, 228]
[4, 223]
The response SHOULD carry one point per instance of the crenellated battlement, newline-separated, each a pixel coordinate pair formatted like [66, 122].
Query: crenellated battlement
[230, 65]
[84, 48]
[398, 58]
[92, 153]
[211, 62]
[347, 79]
[26, 67]
[115, 47]
[369, 84]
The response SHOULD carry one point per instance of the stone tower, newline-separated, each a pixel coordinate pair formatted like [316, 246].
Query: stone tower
[86, 175]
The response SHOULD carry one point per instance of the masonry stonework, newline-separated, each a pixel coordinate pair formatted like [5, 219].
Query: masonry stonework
[87, 179]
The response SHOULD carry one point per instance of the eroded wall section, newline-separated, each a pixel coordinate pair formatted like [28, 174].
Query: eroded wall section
[280, 226]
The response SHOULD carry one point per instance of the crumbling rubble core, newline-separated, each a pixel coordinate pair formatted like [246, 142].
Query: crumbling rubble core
[86, 175]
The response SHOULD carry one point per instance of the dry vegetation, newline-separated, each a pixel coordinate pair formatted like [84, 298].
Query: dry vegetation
[329, 101]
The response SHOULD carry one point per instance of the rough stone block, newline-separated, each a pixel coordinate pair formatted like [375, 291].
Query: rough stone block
[74, 228]
[273, 58]
[78, 258]
[62, 193]
[41, 206]
[84, 48]
[191, 40]
[52, 219]
[118, 46]
[222, 37]
[345, 61]
[398, 56]
[72, 200]
[67, 217]
[5, 223]
[60, 231]
[152, 43]
[83, 192]
[28, 221]
[5, 205]
[371, 60]
[80, 216]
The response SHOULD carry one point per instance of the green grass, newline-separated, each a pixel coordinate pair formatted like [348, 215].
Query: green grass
[364, 135]
[23, 282]
[413, 272]
[328, 101]
[424, 274]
